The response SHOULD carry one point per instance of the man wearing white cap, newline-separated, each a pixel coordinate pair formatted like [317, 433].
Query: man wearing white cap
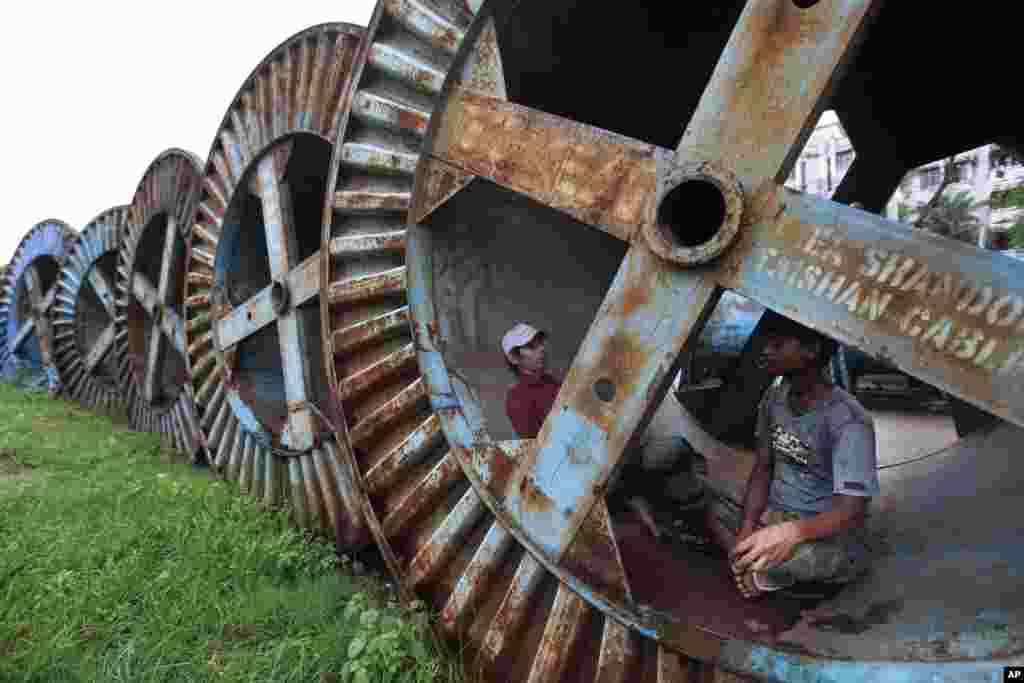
[529, 401]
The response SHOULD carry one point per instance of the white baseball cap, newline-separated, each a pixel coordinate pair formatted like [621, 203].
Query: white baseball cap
[518, 336]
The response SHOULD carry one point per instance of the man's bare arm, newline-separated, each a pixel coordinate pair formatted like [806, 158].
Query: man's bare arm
[846, 512]
[755, 498]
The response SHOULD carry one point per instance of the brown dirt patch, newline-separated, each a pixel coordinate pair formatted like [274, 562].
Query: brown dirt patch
[10, 468]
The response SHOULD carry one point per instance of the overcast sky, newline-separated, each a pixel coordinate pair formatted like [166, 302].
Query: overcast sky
[93, 92]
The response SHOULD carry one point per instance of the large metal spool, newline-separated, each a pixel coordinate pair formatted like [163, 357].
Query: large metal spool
[85, 315]
[151, 354]
[29, 292]
[512, 540]
[256, 281]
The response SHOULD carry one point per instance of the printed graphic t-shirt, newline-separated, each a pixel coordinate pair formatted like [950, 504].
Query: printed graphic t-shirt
[828, 450]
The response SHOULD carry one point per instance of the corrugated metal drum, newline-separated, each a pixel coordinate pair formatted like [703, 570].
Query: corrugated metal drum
[29, 291]
[85, 315]
[151, 354]
[255, 285]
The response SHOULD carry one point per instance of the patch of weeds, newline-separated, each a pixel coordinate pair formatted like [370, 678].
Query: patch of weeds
[115, 566]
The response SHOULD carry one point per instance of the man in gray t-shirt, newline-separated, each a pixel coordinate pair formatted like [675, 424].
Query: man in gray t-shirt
[805, 505]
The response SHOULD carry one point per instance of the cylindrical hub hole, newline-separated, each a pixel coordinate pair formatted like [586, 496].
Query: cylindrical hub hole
[805, 4]
[605, 389]
[692, 213]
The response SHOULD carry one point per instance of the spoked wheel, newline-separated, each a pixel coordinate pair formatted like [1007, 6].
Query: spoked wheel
[29, 292]
[85, 315]
[151, 354]
[620, 247]
[254, 284]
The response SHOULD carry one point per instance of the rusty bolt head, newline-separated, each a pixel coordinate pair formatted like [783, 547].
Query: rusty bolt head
[696, 213]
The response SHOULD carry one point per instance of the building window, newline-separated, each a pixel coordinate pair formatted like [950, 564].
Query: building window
[843, 161]
[931, 177]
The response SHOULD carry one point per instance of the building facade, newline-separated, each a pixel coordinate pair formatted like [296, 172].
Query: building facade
[992, 176]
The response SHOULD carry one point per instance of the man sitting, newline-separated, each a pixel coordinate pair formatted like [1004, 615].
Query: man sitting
[804, 508]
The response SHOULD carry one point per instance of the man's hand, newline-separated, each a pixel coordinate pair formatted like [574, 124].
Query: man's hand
[767, 547]
[747, 529]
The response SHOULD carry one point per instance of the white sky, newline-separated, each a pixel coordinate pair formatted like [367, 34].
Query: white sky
[94, 91]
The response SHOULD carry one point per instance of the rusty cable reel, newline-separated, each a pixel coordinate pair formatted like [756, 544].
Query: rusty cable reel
[254, 286]
[85, 313]
[619, 246]
[29, 292]
[150, 342]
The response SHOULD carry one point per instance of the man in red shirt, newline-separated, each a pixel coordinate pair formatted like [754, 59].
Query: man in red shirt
[530, 400]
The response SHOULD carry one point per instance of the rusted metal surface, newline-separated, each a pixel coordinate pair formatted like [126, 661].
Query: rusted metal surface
[255, 278]
[596, 176]
[29, 293]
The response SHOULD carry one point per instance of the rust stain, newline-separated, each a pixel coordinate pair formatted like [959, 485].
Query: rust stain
[438, 183]
[409, 120]
[532, 498]
[621, 356]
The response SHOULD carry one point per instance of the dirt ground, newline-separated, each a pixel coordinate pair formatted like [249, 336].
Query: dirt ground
[10, 468]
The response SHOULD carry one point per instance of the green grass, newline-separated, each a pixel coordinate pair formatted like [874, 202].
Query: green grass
[117, 564]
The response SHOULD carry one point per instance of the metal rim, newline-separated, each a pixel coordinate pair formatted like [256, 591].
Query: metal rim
[87, 299]
[23, 308]
[263, 419]
[152, 362]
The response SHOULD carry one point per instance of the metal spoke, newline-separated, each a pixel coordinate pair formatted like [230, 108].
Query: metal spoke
[283, 253]
[617, 379]
[768, 88]
[33, 283]
[26, 330]
[302, 284]
[145, 293]
[165, 293]
[600, 178]
[100, 349]
[104, 292]
[40, 303]
[941, 310]
[154, 361]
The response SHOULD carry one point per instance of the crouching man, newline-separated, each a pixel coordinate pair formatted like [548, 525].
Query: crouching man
[804, 510]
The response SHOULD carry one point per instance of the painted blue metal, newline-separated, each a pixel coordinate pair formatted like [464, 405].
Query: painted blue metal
[774, 665]
[47, 240]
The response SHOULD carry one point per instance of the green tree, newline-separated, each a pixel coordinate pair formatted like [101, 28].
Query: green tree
[953, 216]
[949, 215]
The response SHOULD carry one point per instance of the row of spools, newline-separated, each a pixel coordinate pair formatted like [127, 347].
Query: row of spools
[251, 308]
